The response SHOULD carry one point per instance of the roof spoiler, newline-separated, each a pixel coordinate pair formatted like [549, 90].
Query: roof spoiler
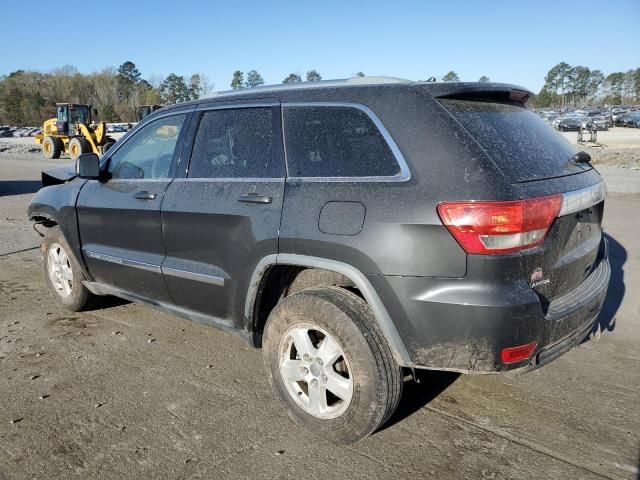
[478, 91]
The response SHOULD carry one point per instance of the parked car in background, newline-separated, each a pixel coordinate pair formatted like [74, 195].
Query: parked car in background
[616, 115]
[621, 119]
[631, 119]
[551, 118]
[570, 124]
[601, 123]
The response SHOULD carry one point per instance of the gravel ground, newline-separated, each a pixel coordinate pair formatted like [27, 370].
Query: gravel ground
[125, 391]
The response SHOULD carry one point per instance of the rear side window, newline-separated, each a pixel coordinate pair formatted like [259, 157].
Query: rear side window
[334, 141]
[523, 146]
[236, 143]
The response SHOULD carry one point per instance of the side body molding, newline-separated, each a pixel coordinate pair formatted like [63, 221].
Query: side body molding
[385, 323]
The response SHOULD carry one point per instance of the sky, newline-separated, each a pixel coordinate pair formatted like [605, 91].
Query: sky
[508, 41]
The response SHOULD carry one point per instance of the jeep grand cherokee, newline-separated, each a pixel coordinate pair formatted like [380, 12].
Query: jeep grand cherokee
[355, 230]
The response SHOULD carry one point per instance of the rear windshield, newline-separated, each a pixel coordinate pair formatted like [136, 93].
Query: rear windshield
[522, 145]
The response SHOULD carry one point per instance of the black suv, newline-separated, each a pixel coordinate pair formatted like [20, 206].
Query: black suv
[355, 230]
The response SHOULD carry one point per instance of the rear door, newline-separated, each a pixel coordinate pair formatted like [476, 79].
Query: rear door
[223, 216]
[119, 219]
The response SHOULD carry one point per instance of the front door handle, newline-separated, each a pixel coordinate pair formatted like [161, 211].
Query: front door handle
[144, 195]
[254, 198]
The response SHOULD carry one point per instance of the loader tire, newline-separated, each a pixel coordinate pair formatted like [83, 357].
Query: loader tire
[78, 146]
[107, 146]
[52, 147]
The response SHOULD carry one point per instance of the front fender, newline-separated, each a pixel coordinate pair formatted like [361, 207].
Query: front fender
[57, 203]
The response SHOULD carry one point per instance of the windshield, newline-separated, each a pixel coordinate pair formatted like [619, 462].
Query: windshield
[79, 114]
[522, 145]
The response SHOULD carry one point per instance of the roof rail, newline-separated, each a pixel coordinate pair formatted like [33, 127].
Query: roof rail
[344, 82]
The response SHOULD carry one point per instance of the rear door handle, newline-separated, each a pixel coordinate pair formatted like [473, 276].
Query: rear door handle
[144, 195]
[254, 198]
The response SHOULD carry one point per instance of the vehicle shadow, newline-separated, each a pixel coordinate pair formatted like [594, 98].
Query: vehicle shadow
[607, 319]
[416, 395]
[18, 187]
[105, 302]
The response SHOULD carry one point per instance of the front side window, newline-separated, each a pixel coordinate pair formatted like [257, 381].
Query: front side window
[335, 141]
[236, 143]
[149, 152]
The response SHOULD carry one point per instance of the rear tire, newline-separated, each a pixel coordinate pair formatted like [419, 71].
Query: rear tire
[52, 147]
[367, 382]
[62, 272]
[78, 146]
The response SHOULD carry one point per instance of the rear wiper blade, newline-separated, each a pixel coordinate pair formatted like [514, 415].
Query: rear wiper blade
[581, 157]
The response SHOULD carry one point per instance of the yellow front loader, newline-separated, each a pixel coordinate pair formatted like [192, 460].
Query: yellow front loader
[73, 132]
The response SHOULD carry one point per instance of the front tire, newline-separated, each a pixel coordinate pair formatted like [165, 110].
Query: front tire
[62, 272]
[78, 146]
[330, 364]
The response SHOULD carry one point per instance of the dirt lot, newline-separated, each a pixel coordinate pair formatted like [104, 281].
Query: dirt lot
[127, 392]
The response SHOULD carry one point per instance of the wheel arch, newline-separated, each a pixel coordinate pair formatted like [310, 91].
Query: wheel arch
[44, 214]
[55, 205]
[358, 279]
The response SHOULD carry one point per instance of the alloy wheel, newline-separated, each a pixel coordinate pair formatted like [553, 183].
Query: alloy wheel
[59, 270]
[316, 372]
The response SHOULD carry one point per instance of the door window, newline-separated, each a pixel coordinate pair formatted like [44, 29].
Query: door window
[149, 152]
[236, 143]
[335, 141]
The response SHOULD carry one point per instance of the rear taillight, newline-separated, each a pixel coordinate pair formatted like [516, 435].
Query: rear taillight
[500, 227]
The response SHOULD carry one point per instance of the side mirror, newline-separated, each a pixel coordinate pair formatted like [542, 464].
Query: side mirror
[88, 166]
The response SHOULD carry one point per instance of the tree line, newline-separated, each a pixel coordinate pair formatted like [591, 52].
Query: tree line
[254, 79]
[567, 86]
[29, 97]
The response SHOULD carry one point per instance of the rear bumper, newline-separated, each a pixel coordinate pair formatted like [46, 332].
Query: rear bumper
[463, 325]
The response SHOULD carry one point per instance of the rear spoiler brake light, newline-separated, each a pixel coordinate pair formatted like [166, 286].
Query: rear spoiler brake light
[478, 91]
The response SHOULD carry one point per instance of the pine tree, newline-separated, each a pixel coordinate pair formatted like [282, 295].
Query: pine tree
[451, 77]
[313, 76]
[174, 90]
[195, 87]
[254, 79]
[128, 71]
[292, 78]
[238, 80]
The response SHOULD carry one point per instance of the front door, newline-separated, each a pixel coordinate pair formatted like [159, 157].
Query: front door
[119, 218]
[224, 215]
